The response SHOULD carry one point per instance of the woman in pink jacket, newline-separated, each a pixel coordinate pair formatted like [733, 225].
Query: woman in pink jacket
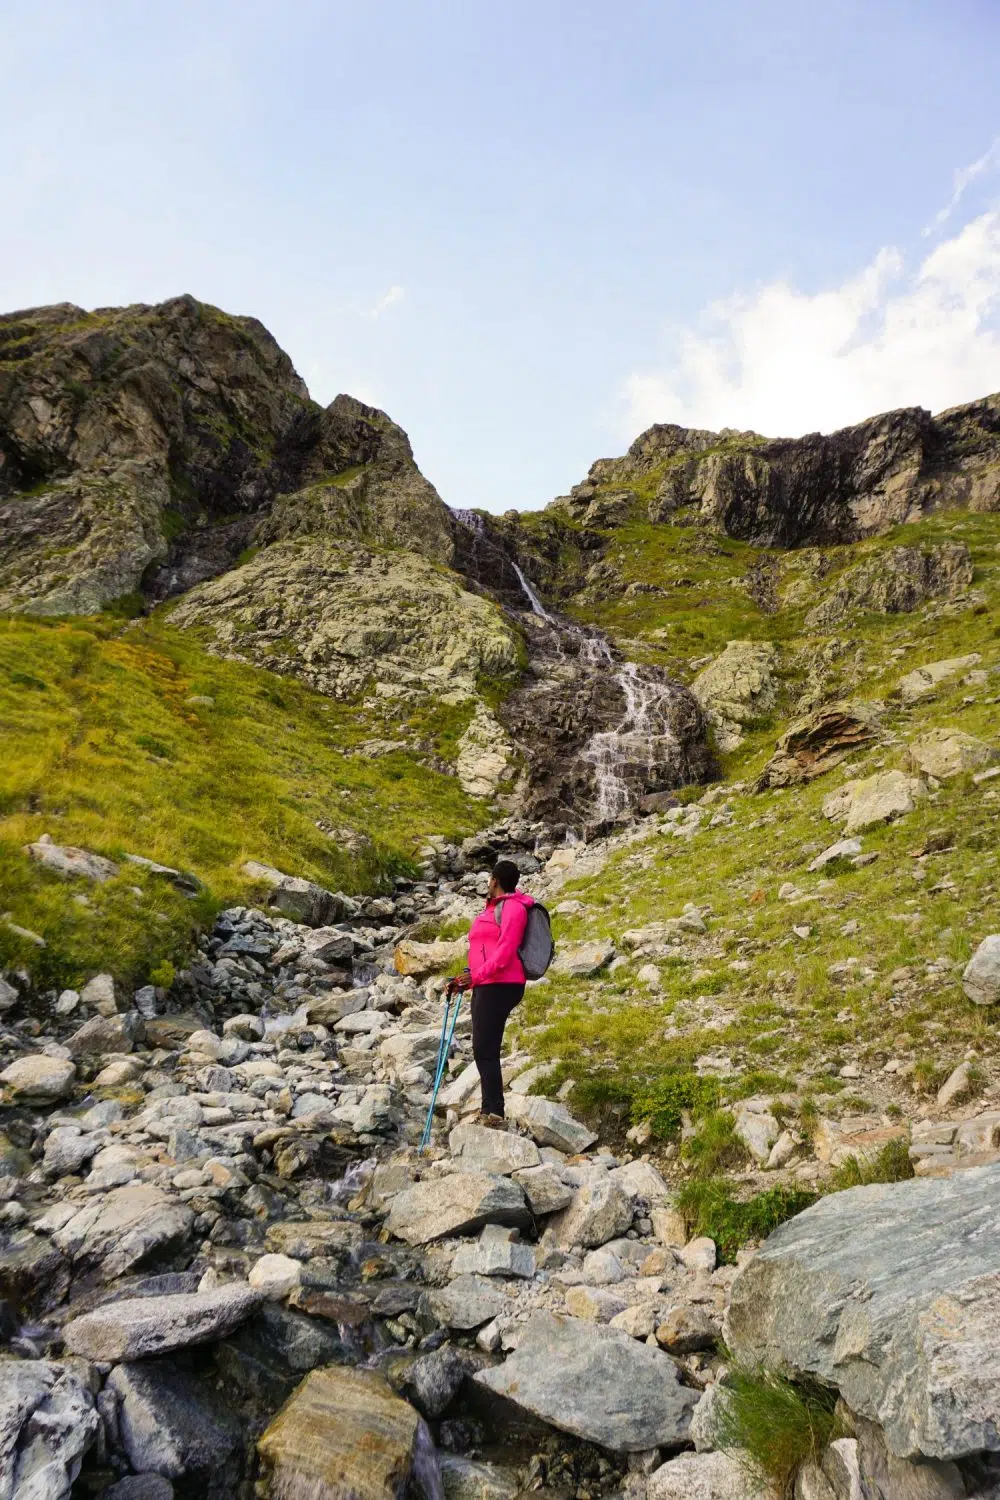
[496, 977]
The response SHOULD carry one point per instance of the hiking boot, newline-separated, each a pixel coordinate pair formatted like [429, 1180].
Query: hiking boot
[491, 1122]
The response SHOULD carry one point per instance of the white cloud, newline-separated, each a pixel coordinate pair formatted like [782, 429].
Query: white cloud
[963, 179]
[785, 362]
[388, 299]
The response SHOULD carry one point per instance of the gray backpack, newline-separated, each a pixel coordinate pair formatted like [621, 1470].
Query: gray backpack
[536, 949]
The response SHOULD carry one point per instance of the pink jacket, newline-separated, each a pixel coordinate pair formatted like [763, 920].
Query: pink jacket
[493, 945]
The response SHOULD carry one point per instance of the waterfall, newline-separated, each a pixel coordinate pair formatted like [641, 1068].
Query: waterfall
[537, 607]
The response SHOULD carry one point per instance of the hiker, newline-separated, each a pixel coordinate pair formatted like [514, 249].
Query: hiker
[496, 977]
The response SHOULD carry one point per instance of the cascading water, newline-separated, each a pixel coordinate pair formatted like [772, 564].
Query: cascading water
[643, 746]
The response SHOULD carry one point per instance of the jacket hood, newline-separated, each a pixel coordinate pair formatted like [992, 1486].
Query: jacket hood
[521, 897]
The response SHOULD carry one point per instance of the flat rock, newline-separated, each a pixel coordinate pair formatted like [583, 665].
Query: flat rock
[595, 1383]
[874, 799]
[119, 1229]
[457, 1204]
[981, 977]
[922, 681]
[64, 859]
[139, 1327]
[38, 1079]
[598, 1212]
[493, 1150]
[911, 1338]
[948, 752]
[343, 1435]
[704, 1476]
[495, 1253]
[465, 1303]
[47, 1423]
[583, 960]
[842, 849]
[550, 1124]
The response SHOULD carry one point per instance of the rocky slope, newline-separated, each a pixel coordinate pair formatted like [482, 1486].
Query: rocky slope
[238, 814]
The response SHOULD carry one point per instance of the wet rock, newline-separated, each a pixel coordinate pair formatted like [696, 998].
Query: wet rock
[458, 1204]
[981, 977]
[121, 1228]
[911, 1339]
[32, 1272]
[550, 1124]
[705, 1476]
[875, 799]
[595, 1383]
[172, 1423]
[598, 1212]
[136, 1329]
[465, 1303]
[38, 1079]
[343, 1435]
[64, 859]
[47, 1423]
[434, 1380]
[464, 1479]
[492, 1150]
[140, 1487]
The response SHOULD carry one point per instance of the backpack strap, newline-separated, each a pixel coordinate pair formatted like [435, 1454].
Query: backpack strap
[497, 912]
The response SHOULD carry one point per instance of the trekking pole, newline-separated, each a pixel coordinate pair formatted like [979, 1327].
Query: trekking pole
[447, 1036]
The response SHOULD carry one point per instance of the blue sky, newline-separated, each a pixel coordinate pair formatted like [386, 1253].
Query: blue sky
[527, 230]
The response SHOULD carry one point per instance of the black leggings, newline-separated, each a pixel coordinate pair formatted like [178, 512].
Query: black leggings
[491, 1005]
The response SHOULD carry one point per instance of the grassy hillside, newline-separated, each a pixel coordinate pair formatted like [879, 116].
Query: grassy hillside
[126, 736]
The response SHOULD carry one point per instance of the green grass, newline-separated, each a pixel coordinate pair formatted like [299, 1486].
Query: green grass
[773, 1424]
[891, 1164]
[102, 746]
[710, 1208]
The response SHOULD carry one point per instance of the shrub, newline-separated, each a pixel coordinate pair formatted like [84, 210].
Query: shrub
[663, 1102]
[163, 975]
[891, 1164]
[710, 1208]
[715, 1144]
[775, 1424]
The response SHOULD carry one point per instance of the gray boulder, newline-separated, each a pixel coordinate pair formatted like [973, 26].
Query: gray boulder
[874, 799]
[596, 1383]
[888, 1293]
[171, 1423]
[598, 1212]
[302, 900]
[492, 1150]
[583, 960]
[117, 1230]
[544, 1189]
[464, 1479]
[550, 1124]
[47, 1423]
[141, 1326]
[63, 859]
[705, 1476]
[38, 1079]
[140, 1487]
[458, 1204]
[465, 1303]
[117, 1033]
[982, 973]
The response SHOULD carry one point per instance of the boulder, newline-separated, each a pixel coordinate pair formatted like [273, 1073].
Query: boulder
[981, 976]
[640, 1179]
[38, 1079]
[458, 1204]
[182, 880]
[544, 1189]
[812, 745]
[140, 1487]
[594, 1304]
[910, 1339]
[922, 682]
[685, 1330]
[139, 1327]
[119, 1229]
[875, 799]
[33, 1274]
[420, 960]
[9, 996]
[595, 1383]
[117, 1033]
[758, 1132]
[842, 849]
[597, 1213]
[550, 1124]
[68, 1147]
[492, 1150]
[496, 1253]
[894, 580]
[705, 1476]
[465, 1303]
[464, 1479]
[435, 1379]
[274, 1276]
[737, 688]
[583, 960]
[64, 859]
[175, 1424]
[99, 994]
[948, 752]
[330, 946]
[47, 1423]
[302, 901]
[410, 1049]
[343, 1435]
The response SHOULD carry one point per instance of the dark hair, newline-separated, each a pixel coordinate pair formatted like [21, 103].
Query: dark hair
[506, 874]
